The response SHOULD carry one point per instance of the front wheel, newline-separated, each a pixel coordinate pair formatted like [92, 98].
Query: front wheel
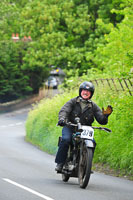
[85, 165]
[65, 177]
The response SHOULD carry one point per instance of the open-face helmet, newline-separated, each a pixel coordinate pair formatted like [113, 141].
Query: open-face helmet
[87, 86]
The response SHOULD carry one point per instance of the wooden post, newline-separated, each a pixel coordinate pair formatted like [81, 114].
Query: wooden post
[102, 81]
[109, 83]
[130, 82]
[96, 82]
[127, 86]
[121, 84]
[114, 84]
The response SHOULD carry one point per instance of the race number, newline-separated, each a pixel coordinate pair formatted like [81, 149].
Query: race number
[87, 133]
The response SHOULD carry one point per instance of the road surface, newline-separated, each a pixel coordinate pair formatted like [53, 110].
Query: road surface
[27, 173]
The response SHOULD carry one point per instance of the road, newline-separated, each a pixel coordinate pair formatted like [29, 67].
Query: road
[27, 173]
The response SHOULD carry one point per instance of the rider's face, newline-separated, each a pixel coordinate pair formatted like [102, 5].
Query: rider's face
[85, 94]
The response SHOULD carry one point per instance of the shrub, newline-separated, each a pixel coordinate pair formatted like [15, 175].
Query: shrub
[114, 149]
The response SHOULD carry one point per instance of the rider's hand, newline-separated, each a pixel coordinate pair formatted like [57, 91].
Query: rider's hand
[62, 122]
[108, 111]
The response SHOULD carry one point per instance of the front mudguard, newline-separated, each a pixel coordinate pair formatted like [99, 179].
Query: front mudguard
[90, 143]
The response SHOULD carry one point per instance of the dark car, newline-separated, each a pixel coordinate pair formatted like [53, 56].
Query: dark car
[52, 82]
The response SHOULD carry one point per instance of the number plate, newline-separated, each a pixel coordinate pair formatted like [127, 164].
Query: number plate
[87, 133]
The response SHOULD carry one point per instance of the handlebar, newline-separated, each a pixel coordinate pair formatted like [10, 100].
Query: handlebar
[80, 127]
[102, 128]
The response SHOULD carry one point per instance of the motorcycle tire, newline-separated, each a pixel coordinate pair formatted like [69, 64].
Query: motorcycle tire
[65, 177]
[85, 165]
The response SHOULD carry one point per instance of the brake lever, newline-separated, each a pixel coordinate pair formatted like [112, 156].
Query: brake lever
[107, 130]
[102, 128]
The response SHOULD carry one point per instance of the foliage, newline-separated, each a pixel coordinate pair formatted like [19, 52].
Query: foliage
[41, 125]
[78, 36]
[19, 75]
[13, 81]
[117, 54]
[9, 19]
[114, 149]
[67, 32]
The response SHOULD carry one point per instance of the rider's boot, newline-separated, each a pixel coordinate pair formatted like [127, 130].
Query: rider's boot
[59, 167]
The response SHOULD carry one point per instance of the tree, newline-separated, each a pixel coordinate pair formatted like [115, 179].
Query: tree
[74, 35]
[117, 55]
[13, 82]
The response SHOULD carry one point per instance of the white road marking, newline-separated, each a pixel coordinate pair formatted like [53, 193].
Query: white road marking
[28, 189]
[19, 123]
[11, 125]
[3, 126]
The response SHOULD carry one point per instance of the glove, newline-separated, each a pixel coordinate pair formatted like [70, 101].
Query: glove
[108, 111]
[62, 122]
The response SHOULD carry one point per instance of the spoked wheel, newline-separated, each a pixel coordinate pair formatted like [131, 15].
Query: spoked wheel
[65, 177]
[85, 165]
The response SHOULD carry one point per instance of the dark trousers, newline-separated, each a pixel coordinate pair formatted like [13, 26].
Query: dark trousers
[64, 145]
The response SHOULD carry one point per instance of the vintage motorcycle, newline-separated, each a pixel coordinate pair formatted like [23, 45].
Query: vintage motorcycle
[80, 154]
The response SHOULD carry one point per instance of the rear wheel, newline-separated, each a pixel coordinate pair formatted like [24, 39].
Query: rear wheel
[85, 165]
[65, 177]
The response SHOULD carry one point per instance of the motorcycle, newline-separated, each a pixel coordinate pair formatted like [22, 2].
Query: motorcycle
[80, 154]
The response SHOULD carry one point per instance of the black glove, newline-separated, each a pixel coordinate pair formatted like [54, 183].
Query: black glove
[108, 111]
[62, 122]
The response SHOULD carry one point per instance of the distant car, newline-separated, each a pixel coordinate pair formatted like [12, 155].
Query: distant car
[52, 82]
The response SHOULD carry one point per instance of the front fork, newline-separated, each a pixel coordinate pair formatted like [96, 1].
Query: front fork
[89, 144]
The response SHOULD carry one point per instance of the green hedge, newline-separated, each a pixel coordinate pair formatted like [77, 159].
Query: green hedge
[113, 149]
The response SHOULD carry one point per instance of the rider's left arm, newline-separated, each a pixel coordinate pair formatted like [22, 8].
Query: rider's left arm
[99, 116]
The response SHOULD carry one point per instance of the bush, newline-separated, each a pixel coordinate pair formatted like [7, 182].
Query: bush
[114, 149]
[41, 124]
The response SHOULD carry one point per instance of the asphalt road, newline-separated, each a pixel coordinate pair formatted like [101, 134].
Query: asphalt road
[27, 173]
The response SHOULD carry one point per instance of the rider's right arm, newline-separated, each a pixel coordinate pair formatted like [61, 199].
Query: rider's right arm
[66, 109]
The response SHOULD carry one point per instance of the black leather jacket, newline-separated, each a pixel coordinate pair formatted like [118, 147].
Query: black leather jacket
[72, 109]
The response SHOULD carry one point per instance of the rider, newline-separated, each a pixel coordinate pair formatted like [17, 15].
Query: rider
[83, 107]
